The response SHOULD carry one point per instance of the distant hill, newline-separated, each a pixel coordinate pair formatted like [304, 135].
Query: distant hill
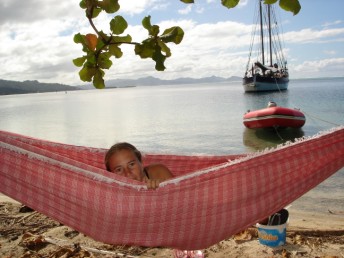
[152, 81]
[15, 87]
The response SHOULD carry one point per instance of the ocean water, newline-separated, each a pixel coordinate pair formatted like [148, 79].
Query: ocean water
[177, 119]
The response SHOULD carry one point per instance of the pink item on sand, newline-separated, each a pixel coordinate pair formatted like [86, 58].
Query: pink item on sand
[188, 254]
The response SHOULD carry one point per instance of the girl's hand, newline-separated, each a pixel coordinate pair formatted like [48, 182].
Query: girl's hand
[152, 183]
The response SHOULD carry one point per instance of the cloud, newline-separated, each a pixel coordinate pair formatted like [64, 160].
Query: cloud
[206, 50]
[29, 11]
[328, 24]
[36, 42]
[185, 10]
[37, 38]
[310, 35]
[190, 7]
[209, 49]
[330, 52]
[332, 67]
[242, 3]
[321, 64]
[200, 10]
[136, 7]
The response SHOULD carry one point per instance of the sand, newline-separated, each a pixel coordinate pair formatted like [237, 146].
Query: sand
[25, 233]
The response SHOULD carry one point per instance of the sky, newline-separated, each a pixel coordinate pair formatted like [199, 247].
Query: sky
[36, 39]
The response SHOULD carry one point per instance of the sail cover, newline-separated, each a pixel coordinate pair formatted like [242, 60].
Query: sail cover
[265, 68]
[210, 199]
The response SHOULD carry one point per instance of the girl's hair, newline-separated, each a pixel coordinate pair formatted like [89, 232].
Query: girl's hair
[120, 146]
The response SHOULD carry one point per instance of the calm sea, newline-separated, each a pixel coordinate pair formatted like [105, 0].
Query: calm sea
[182, 119]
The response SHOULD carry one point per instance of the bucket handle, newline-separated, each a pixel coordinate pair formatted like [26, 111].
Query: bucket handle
[271, 219]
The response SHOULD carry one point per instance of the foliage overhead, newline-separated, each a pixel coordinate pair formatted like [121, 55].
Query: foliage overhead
[99, 47]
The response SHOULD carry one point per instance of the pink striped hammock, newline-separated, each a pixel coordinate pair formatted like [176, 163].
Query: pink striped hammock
[210, 199]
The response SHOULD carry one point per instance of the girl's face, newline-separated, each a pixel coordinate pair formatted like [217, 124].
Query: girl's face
[125, 163]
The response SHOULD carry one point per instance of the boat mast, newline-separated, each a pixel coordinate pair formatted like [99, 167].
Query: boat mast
[270, 41]
[261, 30]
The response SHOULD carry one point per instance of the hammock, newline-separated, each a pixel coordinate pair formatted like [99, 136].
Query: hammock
[210, 199]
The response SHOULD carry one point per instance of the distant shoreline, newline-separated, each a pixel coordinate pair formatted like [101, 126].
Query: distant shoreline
[28, 87]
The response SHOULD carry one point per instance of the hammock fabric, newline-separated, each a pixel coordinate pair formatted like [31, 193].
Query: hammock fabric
[210, 199]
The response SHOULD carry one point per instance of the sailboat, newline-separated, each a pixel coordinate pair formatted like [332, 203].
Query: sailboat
[267, 70]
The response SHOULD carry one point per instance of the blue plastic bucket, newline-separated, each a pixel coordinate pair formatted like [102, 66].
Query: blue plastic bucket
[272, 236]
[273, 233]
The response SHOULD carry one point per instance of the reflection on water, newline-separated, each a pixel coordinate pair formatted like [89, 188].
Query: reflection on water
[258, 139]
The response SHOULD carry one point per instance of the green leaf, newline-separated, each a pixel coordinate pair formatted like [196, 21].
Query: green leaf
[91, 59]
[79, 61]
[270, 1]
[146, 23]
[159, 59]
[104, 61]
[165, 48]
[100, 44]
[145, 49]
[290, 5]
[98, 80]
[82, 4]
[173, 34]
[103, 36]
[115, 51]
[95, 13]
[154, 30]
[109, 6]
[78, 38]
[230, 3]
[123, 39]
[87, 73]
[187, 1]
[118, 25]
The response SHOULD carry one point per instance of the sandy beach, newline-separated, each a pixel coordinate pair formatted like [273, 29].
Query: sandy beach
[26, 233]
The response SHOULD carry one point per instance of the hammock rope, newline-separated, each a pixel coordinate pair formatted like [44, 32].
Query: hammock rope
[210, 199]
